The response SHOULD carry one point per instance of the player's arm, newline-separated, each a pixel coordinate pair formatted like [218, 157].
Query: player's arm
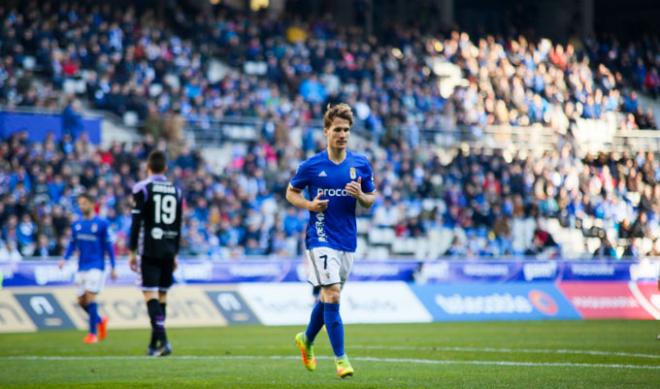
[294, 192]
[107, 247]
[136, 224]
[295, 196]
[69, 249]
[367, 199]
[179, 219]
[354, 188]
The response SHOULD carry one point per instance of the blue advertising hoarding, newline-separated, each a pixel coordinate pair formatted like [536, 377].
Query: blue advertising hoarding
[39, 125]
[47, 273]
[534, 271]
[198, 271]
[511, 301]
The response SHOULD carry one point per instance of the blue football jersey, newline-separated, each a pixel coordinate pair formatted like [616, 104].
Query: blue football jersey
[334, 228]
[90, 237]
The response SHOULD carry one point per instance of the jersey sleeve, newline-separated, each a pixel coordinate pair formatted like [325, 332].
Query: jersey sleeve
[72, 244]
[301, 179]
[368, 184]
[137, 217]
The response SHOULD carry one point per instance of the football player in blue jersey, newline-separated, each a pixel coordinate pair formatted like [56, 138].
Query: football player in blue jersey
[336, 180]
[89, 237]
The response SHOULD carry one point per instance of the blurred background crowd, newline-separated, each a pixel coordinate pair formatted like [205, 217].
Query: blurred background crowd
[186, 67]
[480, 197]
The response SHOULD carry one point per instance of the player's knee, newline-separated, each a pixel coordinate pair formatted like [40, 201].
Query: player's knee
[89, 297]
[331, 295]
[332, 298]
[150, 295]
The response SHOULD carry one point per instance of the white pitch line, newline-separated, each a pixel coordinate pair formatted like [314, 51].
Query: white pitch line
[498, 350]
[510, 350]
[360, 359]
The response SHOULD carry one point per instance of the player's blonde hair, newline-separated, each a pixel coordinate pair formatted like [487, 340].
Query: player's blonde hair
[341, 110]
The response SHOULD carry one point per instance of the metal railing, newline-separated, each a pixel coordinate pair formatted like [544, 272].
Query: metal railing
[535, 137]
[216, 132]
[636, 140]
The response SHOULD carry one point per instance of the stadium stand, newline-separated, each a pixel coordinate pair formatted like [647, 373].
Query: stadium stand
[130, 62]
[166, 76]
[486, 204]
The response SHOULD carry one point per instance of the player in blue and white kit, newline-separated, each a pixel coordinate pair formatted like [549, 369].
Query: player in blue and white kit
[89, 236]
[336, 180]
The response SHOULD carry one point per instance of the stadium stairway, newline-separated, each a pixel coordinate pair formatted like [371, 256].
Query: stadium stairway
[113, 130]
[646, 101]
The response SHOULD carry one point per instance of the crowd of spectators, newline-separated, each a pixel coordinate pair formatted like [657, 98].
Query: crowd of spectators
[638, 61]
[285, 70]
[236, 213]
[241, 212]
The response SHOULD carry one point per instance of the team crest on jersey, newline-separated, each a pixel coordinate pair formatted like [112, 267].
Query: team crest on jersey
[353, 173]
[157, 233]
[78, 227]
[94, 228]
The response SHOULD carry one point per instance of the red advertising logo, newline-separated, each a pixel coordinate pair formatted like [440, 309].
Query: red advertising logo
[543, 302]
[604, 300]
[648, 296]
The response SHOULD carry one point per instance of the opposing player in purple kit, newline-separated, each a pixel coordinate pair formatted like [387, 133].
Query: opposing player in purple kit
[155, 238]
[336, 180]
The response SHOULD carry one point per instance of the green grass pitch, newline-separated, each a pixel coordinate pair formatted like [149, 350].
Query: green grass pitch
[568, 354]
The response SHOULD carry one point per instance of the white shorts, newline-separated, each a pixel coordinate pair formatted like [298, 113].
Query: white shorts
[328, 266]
[91, 280]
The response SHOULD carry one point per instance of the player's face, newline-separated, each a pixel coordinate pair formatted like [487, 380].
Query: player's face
[85, 205]
[338, 133]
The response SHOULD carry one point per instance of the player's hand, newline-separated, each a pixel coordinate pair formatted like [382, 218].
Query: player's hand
[354, 188]
[176, 264]
[318, 205]
[113, 274]
[61, 263]
[132, 262]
